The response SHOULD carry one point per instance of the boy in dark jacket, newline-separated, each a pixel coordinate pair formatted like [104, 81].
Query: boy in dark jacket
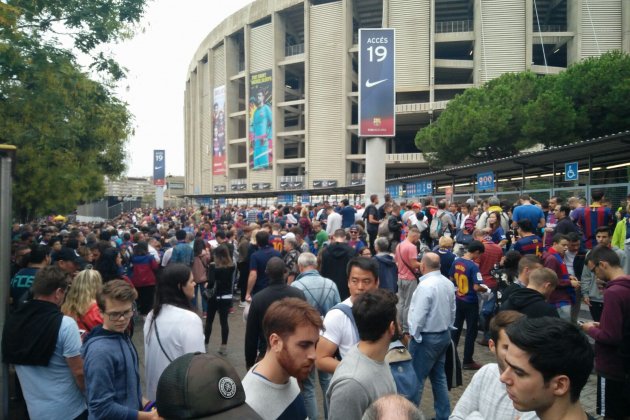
[532, 300]
[112, 379]
[612, 359]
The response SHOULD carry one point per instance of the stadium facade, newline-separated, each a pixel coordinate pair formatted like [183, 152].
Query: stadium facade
[271, 94]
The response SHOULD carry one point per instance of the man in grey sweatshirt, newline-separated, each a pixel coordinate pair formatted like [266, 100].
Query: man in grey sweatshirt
[353, 386]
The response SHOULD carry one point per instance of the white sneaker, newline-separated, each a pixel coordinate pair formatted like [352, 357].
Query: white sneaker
[242, 304]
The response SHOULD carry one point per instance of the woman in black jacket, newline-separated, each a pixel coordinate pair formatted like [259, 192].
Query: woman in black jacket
[220, 294]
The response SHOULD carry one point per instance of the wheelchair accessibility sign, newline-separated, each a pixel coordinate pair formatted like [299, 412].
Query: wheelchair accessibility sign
[571, 171]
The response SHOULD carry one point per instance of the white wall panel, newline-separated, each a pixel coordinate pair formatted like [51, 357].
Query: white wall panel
[502, 38]
[325, 139]
[411, 19]
[600, 27]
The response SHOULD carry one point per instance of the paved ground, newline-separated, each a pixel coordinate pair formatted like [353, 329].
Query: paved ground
[237, 358]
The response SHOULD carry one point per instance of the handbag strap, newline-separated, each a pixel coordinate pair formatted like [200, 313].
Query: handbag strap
[157, 334]
[411, 270]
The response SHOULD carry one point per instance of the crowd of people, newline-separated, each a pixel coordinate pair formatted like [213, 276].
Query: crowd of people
[364, 302]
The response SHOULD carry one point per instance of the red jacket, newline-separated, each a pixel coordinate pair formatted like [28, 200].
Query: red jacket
[144, 268]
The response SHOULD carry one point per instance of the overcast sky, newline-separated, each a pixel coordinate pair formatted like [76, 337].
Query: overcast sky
[157, 60]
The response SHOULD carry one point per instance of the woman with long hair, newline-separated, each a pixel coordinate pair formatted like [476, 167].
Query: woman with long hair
[494, 229]
[143, 276]
[220, 295]
[80, 303]
[172, 328]
[201, 261]
[110, 265]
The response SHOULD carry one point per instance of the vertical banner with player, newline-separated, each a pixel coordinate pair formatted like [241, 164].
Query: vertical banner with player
[158, 167]
[260, 121]
[377, 99]
[218, 132]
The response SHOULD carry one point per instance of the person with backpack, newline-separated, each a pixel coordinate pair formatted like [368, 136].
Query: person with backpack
[340, 332]
[442, 223]
[494, 205]
[182, 252]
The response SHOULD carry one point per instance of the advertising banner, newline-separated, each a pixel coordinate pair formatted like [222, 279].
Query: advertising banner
[377, 100]
[218, 132]
[260, 121]
[158, 167]
[485, 181]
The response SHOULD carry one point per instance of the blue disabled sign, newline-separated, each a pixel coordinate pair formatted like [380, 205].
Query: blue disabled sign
[571, 171]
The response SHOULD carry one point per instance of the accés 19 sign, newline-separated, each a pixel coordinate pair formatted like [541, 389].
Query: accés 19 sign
[377, 104]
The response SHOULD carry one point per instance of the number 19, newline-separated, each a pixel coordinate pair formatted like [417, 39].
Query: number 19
[380, 52]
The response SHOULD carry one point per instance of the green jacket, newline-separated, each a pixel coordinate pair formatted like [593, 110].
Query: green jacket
[619, 237]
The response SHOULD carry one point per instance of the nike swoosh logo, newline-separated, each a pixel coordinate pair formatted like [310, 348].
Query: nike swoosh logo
[369, 84]
[157, 168]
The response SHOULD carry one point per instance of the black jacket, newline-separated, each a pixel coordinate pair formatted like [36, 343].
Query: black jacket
[529, 302]
[261, 301]
[335, 258]
[387, 272]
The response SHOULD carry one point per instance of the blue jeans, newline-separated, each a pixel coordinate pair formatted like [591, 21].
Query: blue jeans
[308, 392]
[199, 288]
[428, 360]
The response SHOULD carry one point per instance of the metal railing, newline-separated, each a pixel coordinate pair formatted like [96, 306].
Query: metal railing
[550, 28]
[295, 49]
[453, 26]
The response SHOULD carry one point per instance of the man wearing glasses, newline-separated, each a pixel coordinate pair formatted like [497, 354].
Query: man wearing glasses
[112, 378]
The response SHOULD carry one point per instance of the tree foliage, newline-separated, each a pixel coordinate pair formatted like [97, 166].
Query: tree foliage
[520, 110]
[69, 128]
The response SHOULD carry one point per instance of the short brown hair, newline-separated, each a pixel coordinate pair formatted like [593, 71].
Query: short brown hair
[285, 315]
[540, 276]
[49, 279]
[118, 290]
[500, 321]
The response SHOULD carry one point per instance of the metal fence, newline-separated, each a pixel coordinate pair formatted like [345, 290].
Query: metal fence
[100, 210]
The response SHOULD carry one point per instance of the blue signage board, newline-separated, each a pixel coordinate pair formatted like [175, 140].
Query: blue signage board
[485, 181]
[394, 190]
[286, 199]
[158, 167]
[306, 198]
[377, 100]
[222, 201]
[571, 171]
[419, 189]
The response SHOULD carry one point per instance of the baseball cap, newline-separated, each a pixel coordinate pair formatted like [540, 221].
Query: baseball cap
[67, 254]
[202, 386]
[354, 227]
[289, 235]
[416, 205]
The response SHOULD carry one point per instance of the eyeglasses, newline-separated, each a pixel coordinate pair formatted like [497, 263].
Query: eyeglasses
[115, 316]
[594, 267]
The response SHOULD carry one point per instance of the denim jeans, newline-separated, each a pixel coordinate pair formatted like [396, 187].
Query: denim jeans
[199, 288]
[428, 360]
[308, 392]
[469, 312]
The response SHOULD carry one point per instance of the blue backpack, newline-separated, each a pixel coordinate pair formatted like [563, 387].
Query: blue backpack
[401, 366]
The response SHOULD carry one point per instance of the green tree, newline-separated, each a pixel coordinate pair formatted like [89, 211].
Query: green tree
[517, 111]
[69, 128]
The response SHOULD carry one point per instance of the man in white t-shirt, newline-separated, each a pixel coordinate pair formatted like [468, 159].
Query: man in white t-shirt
[340, 332]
